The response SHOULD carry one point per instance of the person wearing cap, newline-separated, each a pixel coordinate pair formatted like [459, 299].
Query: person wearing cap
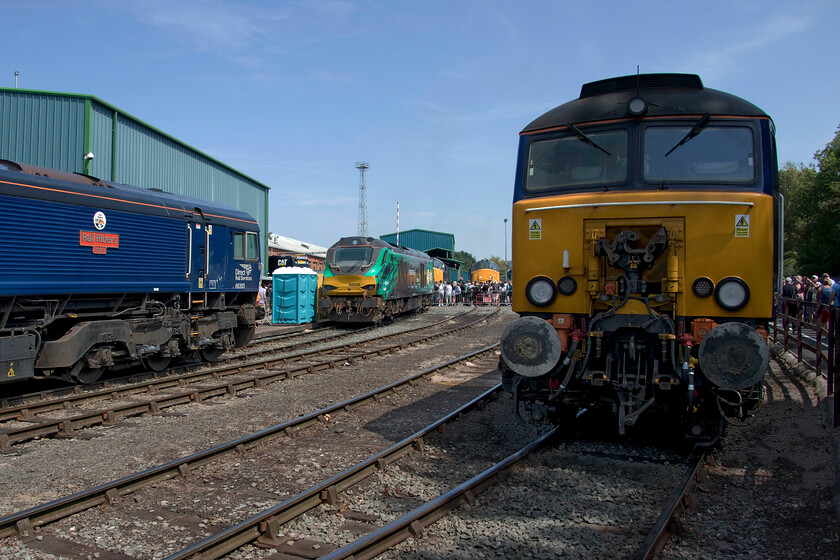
[812, 295]
[788, 290]
[790, 307]
[826, 295]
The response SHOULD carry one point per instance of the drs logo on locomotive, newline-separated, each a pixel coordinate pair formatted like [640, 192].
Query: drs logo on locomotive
[242, 275]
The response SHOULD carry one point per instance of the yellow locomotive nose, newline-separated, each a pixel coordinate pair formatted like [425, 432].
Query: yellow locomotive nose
[349, 285]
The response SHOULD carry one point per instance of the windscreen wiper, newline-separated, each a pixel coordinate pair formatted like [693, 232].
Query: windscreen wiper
[697, 129]
[586, 139]
[355, 264]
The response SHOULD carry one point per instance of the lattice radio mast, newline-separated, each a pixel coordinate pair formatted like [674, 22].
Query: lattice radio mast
[362, 166]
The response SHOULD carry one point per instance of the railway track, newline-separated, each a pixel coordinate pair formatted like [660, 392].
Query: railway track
[27, 524]
[266, 528]
[340, 500]
[185, 503]
[260, 346]
[110, 405]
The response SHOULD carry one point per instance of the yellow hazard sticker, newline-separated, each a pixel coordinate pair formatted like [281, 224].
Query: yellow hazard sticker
[11, 372]
[742, 225]
[535, 228]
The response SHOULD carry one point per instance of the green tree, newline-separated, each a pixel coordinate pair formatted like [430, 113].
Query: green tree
[796, 183]
[500, 262]
[812, 212]
[465, 258]
[827, 226]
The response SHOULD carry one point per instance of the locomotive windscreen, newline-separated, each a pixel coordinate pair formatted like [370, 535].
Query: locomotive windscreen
[715, 154]
[352, 256]
[596, 157]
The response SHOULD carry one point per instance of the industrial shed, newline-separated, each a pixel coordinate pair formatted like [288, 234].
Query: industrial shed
[434, 243]
[63, 130]
[279, 245]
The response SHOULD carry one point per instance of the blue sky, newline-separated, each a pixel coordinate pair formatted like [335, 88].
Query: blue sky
[432, 93]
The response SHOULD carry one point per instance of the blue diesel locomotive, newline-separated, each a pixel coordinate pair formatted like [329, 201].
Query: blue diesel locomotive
[99, 275]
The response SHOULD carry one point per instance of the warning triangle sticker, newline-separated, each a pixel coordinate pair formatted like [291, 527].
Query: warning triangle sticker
[535, 225]
[742, 222]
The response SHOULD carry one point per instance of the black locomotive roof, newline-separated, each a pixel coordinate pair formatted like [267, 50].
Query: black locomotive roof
[357, 240]
[484, 264]
[665, 94]
[376, 242]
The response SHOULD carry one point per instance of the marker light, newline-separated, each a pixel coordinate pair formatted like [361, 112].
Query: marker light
[703, 287]
[567, 285]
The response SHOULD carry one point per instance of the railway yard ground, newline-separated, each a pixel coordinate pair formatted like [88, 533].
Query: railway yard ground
[768, 492]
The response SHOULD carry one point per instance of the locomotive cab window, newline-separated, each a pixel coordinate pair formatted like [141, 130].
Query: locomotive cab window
[579, 158]
[711, 154]
[352, 256]
[245, 246]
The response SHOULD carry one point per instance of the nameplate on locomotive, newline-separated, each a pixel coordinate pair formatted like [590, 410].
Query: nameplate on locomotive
[99, 241]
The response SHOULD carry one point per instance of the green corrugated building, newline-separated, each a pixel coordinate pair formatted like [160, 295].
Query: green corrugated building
[82, 134]
[435, 243]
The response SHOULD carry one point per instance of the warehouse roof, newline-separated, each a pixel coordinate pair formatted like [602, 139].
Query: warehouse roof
[294, 246]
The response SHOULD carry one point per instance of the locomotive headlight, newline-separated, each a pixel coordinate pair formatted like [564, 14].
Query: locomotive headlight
[703, 287]
[567, 285]
[637, 106]
[541, 291]
[732, 293]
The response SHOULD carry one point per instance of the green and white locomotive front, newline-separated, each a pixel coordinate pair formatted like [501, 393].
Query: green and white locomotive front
[367, 280]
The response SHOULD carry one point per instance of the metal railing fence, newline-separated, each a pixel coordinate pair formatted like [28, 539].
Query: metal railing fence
[823, 319]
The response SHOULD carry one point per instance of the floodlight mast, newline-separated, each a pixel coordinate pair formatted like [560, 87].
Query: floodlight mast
[362, 166]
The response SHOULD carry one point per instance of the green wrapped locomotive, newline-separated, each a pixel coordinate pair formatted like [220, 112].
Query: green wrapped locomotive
[367, 280]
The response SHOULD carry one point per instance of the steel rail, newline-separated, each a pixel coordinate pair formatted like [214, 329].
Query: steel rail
[268, 522]
[679, 501]
[252, 350]
[102, 392]
[64, 426]
[24, 522]
[413, 523]
[292, 331]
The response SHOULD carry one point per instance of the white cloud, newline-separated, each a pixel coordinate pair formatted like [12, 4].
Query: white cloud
[712, 64]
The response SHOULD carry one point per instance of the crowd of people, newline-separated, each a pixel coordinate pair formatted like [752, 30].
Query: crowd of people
[811, 289]
[446, 293]
[469, 293]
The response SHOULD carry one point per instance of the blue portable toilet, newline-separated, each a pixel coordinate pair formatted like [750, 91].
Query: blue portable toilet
[294, 291]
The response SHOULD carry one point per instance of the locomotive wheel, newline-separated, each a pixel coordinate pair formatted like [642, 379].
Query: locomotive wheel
[210, 353]
[87, 375]
[156, 363]
[82, 373]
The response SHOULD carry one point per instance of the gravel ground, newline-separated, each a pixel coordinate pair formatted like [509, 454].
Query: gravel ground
[770, 494]
[43, 470]
[569, 502]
